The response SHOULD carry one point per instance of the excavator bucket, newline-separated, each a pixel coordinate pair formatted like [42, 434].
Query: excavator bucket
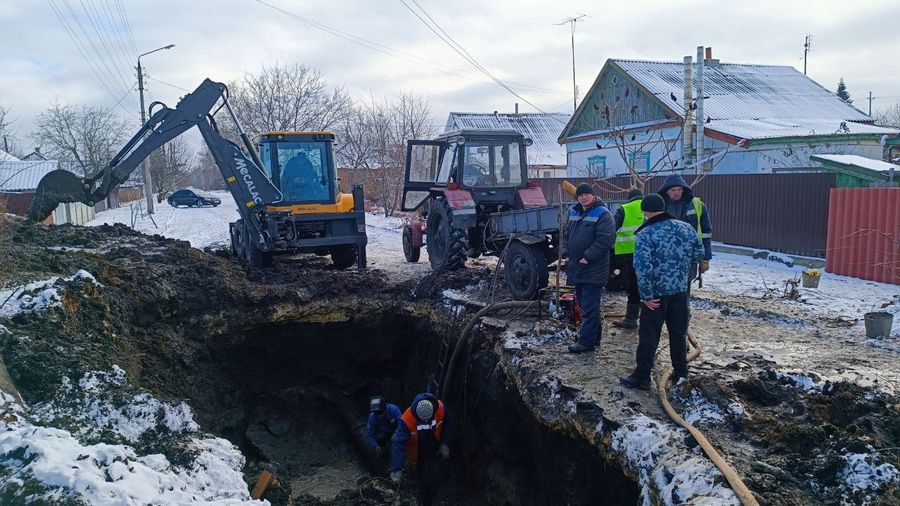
[55, 188]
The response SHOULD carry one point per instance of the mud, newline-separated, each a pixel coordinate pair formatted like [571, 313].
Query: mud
[268, 358]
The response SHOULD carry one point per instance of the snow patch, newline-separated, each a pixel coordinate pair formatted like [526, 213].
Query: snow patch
[656, 452]
[42, 462]
[804, 381]
[39, 295]
[698, 409]
[863, 475]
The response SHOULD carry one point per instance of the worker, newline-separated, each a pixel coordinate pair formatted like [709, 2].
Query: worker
[664, 251]
[628, 218]
[683, 205]
[381, 425]
[590, 233]
[300, 180]
[419, 440]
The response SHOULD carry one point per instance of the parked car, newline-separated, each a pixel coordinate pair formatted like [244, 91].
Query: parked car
[193, 198]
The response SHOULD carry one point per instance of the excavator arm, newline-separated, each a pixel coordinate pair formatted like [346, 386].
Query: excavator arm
[249, 185]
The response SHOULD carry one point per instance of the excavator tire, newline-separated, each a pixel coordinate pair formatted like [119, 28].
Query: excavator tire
[446, 244]
[526, 270]
[343, 256]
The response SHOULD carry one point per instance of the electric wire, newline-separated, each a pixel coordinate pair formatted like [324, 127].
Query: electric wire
[121, 9]
[394, 53]
[81, 51]
[102, 38]
[460, 50]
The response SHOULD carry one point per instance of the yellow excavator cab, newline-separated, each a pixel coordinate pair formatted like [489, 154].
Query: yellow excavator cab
[301, 165]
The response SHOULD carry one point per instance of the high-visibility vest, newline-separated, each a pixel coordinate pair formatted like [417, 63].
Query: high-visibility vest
[414, 425]
[698, 211]
[625, 237]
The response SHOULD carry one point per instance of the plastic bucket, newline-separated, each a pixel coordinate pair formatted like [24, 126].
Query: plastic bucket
[810, 281]
[878, 324]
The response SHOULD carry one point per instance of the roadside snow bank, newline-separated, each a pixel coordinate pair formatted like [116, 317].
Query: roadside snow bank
[100, 442]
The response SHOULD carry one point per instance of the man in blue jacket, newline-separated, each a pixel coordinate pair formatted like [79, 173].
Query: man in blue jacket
[683, 205]
[663, 253]
[590, 234]
[381, 425]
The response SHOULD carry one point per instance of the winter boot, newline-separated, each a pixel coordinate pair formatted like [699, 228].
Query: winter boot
[631, 317]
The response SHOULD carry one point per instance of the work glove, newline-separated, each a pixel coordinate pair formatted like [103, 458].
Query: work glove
[704, 266]
[396, 475]
[444, 452]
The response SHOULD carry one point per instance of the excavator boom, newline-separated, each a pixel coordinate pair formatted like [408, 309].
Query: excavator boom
[250, 186]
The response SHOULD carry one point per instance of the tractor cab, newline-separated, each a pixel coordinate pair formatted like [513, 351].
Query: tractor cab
[490, 164]
[301, 166]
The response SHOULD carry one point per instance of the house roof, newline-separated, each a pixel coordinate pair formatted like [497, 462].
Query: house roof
[4, 156]
[754, 101]
[857, 161]
[23, 175]
[542, 128]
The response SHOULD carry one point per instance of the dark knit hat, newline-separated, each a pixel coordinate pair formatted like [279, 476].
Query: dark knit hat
[635, 193]
[584, 188]
[653, 203]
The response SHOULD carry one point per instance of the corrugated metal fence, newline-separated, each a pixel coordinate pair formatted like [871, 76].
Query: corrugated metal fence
[777, 212]
[864, 233]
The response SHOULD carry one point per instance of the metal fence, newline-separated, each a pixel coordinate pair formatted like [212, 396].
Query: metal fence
[864, 233]
[787, 213]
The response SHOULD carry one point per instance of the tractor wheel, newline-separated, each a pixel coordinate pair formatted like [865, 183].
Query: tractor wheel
[446, 245]
[411, 252]
[526, 270]
[343, 256]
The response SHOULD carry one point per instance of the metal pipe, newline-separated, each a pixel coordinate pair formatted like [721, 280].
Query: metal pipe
[700, 116]
[688, 119]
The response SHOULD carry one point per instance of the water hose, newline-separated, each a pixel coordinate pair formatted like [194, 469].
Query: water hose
[737, 485]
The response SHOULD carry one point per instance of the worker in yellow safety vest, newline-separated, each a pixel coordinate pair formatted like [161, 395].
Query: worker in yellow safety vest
[628, 219]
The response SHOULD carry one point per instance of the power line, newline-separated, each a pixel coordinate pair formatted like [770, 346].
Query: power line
[462, 51]
[91, 65]
[121, 9]
[167, 84]
[101, 32]
[389, 51]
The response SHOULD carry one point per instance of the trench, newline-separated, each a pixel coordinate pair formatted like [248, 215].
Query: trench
[292, 388]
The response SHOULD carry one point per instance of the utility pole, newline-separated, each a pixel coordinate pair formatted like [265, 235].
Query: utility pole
[807, 45]
[870, 104]
[572, 22]
[148, 181]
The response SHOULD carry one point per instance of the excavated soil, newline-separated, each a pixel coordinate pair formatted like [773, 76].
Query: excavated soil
[281, 362]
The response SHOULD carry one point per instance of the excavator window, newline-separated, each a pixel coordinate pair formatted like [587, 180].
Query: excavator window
[300, 169]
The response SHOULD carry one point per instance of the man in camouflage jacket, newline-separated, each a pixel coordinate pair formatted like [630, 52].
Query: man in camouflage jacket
[664, 251]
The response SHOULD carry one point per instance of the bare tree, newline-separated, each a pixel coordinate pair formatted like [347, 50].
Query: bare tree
[8, 139]
[206, 174]
[374, 144]
[171, 165]
[889, 117]
[87, 136]
[288, 98]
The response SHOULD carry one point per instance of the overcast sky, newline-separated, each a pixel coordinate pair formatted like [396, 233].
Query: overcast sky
[54, 50]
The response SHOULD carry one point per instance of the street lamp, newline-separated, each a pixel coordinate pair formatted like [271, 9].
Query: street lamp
[148, 183]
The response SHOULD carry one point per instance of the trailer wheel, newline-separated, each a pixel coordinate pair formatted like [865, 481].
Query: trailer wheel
[343, 256]
[526, 270]
[411, 252]
[446, 245]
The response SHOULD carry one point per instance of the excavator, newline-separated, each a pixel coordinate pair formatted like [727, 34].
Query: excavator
[284, 183]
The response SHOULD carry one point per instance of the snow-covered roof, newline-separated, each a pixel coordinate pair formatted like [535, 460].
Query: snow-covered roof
[859, 161]
[542, 128]
[755, 101]
[769, 128]
[21, 175]
[6, 157]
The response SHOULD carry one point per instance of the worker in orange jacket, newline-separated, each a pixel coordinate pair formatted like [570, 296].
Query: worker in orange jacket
[419, 440]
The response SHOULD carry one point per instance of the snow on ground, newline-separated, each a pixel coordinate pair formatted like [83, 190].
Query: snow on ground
[202, 227]
[38, 295]
[90, 444]
[836, 296]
